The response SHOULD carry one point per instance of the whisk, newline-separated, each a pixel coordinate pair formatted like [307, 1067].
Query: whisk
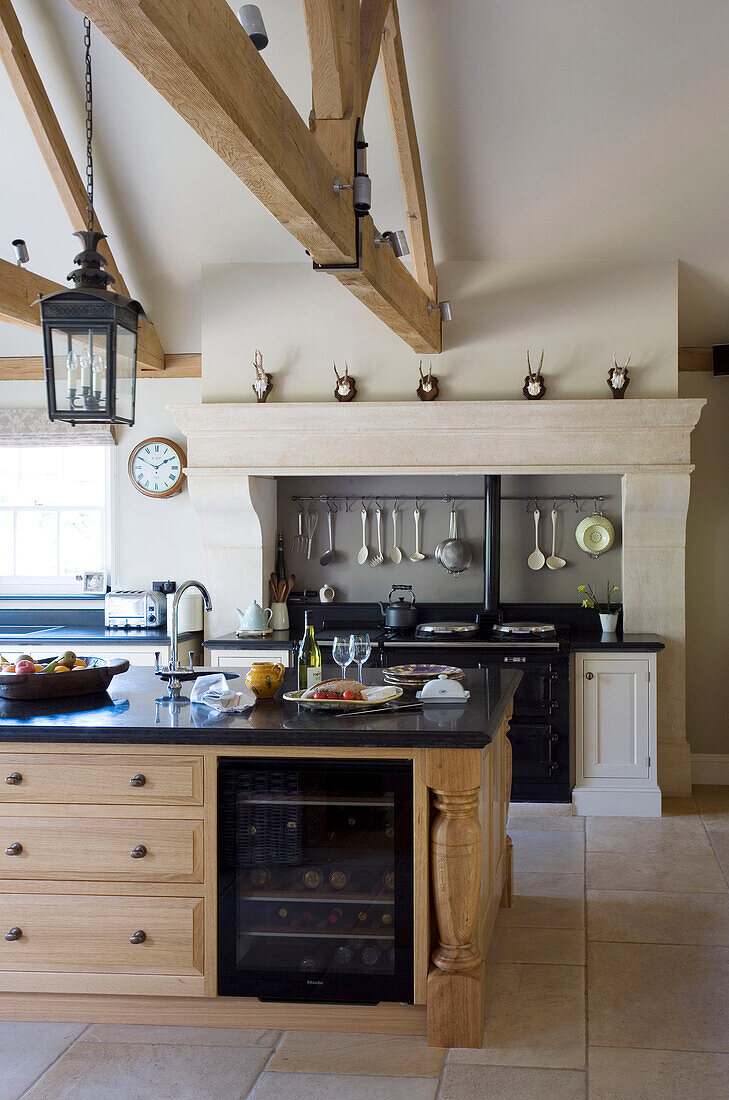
[310, 521]
[299, 542]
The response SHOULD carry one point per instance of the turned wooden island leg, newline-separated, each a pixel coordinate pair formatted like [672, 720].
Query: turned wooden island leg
[455, 997]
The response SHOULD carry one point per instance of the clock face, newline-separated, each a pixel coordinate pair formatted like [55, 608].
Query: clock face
[155, 467]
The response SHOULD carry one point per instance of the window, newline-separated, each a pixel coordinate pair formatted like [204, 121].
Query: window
[53, 516]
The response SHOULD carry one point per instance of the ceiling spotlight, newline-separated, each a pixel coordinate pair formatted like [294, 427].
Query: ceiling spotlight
[21, 252]
[397, 240]
[252, 23]
[446, 313]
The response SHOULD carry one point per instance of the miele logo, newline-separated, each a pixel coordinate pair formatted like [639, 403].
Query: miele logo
[310, 981]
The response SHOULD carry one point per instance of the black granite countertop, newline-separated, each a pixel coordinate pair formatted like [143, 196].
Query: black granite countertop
[594, 641]
[135, 711]
[57, 636]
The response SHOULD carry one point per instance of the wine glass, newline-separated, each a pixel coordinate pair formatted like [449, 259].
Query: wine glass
[361, 650]
[342, 653]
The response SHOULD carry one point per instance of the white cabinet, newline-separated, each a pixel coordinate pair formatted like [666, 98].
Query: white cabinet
[136, 654]
[615, 734]
[242, 658]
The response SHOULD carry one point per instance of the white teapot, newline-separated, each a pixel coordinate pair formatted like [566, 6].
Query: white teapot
[254, 617]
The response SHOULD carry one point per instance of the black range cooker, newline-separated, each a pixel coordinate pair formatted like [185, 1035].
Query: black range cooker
[540, 726]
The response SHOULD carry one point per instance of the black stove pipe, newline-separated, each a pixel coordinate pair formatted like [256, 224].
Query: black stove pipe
[492, 543]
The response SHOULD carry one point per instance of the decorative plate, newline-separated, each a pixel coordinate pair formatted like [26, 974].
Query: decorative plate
[422, 672]
[595, 535]
[340, 704]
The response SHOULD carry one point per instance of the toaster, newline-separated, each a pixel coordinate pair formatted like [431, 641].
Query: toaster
[135, 610]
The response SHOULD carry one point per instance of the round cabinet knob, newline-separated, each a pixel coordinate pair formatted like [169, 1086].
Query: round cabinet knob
[14, 849]
[14, 778]
[139, 852]
[138, 937]
[138, 780]
[588, 675]
[14, 934]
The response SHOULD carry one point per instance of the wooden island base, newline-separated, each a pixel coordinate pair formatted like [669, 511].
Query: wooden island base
[74, 961]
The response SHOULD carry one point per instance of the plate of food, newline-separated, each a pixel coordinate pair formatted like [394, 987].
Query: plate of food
[57, 677]
[343, 695]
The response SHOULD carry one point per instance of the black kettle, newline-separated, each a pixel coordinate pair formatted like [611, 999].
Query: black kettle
[399, 614]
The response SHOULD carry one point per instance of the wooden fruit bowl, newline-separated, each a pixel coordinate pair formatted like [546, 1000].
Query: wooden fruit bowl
[95, 677]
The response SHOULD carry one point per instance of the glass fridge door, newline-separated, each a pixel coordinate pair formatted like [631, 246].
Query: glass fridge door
[315, 880]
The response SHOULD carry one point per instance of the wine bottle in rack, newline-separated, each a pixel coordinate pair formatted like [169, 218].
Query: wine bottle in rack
[370, 955]
[312, 878]
[309, 657]
[334, 917]
[386, 919]
[259, 877]
[388, 880]
[338, 878]
[312, 963]
[343, 956]
[363, 918]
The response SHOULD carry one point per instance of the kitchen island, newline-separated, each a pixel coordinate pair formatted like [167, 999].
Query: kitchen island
[110, 898]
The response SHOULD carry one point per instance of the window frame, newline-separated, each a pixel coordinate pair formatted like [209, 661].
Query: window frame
[68, 586]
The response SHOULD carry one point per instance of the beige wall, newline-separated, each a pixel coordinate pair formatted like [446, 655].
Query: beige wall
[157, 539]
[707, 568]
[579, 313]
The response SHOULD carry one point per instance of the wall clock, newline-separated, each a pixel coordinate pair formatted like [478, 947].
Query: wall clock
[155, 467]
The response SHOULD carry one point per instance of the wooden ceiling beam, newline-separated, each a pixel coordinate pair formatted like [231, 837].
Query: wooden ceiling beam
[53, 147]
[331, 94]
[29, 368]
[196, 54]
[696, 359]
[408, 153]
[372, 24]
[19, 289]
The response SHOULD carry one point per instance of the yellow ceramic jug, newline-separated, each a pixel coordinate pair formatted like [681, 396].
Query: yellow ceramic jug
[265, 678]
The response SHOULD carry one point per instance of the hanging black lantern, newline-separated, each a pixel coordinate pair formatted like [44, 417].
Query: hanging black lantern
[90, 333]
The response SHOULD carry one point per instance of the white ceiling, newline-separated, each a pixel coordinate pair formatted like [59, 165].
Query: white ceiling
[573, 129]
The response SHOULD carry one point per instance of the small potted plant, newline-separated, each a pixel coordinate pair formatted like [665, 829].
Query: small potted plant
[605, 608]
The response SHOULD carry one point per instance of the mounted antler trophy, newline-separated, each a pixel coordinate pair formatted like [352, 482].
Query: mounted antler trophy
[346, 387]
[264, 382]
[428, 388]
[618, 378]
[534, 387]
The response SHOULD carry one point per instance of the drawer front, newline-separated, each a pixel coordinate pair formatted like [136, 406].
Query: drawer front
[60, 934]
[127, 780]
[104, 849]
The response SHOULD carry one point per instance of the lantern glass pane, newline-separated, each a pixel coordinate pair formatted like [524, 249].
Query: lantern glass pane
[126, 364]
[80, 364]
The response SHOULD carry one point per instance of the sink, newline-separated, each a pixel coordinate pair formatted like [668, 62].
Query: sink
[15, 631]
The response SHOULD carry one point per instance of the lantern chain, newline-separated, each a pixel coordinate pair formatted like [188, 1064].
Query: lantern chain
[89, 129]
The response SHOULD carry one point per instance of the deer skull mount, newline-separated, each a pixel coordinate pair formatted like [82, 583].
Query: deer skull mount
[618, 378]
[534, 387]
[346, 387]
[428, 387]
[264, 382]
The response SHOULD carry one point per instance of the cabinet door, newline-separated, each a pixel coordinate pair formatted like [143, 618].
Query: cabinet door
[615, 718]
[243, 658]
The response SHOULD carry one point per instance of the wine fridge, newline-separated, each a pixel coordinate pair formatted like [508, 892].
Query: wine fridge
[315, 880]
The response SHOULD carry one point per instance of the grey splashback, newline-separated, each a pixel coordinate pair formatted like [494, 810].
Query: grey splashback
[431, 583]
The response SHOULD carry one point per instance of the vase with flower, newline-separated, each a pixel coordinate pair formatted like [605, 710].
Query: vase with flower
[605, 608]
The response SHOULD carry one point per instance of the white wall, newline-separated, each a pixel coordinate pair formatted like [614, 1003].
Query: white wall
[157, 539]
[579, 313]
[707, 558]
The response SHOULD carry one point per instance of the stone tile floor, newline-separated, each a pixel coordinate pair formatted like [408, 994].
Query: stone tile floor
[609, 979]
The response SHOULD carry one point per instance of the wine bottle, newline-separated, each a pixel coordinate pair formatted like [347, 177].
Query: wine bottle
[312, 963]
[343, 955]
[388, 880]
[386, 920]
[370, 956]
[307, 917]
[312, 878]
[280, 564]
[335, 916]
[259, 876]
[338, 879]
[309, 657]
[363, 918]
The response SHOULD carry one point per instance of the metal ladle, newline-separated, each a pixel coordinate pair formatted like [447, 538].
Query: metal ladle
[329, 555]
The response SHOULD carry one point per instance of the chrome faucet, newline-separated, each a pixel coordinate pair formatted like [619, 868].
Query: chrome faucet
[174, 665]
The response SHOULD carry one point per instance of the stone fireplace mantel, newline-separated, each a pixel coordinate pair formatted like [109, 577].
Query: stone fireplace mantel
[236, 451]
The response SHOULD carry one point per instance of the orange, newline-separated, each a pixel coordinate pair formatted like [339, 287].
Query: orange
[9, 668]
[61, 668]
